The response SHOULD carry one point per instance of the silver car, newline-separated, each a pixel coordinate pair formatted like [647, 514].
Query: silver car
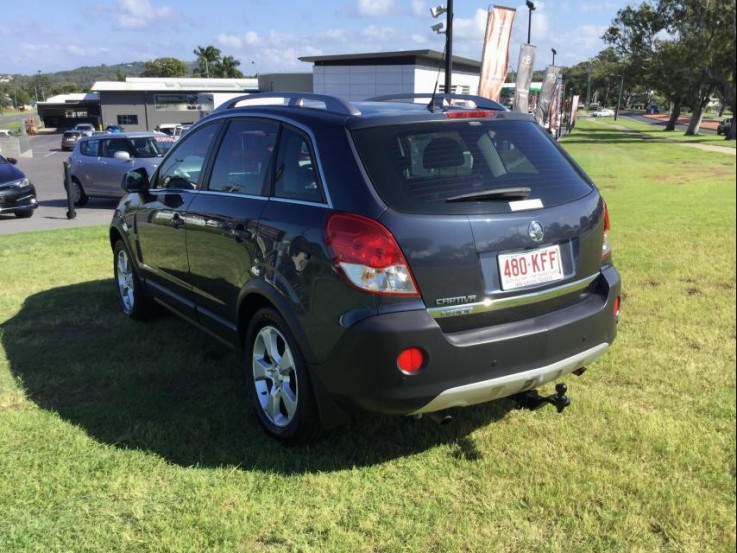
[98, 163]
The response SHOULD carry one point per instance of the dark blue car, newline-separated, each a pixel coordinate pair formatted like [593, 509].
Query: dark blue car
[17, 193]
[397, 257]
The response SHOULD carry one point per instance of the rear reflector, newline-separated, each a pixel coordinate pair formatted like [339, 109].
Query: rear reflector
[615, 308]
[411, 360]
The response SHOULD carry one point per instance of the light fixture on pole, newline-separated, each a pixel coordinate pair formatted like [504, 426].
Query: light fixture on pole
[531, 8]
[448, 11]
[554, 52]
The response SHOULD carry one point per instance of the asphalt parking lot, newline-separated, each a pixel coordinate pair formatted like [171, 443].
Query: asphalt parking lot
[46, 171]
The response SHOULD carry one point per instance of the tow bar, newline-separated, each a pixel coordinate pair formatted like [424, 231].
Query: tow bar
[533, 400]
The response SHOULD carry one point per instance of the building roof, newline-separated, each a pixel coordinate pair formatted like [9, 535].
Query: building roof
[180, 84]
[402, 57]
[72, 98]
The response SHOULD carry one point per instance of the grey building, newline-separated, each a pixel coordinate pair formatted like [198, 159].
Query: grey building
[145, 103]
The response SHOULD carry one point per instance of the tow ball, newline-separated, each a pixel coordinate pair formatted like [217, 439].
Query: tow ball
[533, 400]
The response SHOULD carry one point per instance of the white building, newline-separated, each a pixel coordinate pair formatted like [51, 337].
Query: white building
[360, 76]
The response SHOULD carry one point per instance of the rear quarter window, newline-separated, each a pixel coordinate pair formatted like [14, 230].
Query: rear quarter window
[416, 167]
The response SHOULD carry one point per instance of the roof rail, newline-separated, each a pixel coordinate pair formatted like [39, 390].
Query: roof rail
[295, 99]
[437, 99]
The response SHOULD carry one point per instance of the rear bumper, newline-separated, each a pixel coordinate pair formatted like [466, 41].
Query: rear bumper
[470, 366]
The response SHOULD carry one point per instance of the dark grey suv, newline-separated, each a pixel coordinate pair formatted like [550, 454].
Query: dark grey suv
[392, 256]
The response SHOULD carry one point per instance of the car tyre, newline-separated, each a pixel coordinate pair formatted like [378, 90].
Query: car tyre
[132, 297]
[25, 214]
[79, 196]
[278, 382]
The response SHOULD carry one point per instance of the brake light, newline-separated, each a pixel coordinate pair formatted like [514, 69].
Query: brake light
[606, 246]
[470, 114]
[368, 255]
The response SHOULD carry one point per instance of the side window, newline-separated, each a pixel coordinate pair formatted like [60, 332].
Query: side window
[90, 148]
[296, 171]
[182, 169]
[244, 158]
[112, 145]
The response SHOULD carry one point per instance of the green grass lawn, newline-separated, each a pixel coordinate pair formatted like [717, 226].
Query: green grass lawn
[123, 436]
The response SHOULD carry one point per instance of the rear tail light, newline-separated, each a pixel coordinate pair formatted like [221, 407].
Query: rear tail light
[368, 255]
[616, 308]
[606, 246]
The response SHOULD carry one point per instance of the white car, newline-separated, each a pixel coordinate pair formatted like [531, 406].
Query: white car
[87, 129]
[605, 112]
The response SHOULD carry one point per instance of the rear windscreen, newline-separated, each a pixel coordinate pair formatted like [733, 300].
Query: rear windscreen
[417, 167]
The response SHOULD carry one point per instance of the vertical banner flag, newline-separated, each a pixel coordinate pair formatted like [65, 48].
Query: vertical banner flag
[524, 78]
[495, 57]
[574, 111]
[555, 107]
[546, 95]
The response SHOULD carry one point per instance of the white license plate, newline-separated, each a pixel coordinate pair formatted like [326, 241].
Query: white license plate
[518, 270]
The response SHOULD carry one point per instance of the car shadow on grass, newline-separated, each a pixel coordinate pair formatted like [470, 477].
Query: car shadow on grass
[167, 388]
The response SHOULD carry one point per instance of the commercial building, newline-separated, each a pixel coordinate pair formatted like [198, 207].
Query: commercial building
[140, 103]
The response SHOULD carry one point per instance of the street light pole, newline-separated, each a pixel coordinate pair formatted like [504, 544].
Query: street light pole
[554, 52]
[588, 86]
[619, 97]
[530, 8]
[449, 48]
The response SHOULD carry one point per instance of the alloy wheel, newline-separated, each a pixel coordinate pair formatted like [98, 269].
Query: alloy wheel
[275, 376]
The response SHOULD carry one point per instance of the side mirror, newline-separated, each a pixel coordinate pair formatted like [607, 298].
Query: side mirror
[12, 160]
[122, 155]
[135, 181]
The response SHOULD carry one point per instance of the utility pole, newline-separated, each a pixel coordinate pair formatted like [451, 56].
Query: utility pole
[449, 48]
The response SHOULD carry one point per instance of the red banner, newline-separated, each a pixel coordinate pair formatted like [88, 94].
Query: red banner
[495, 58]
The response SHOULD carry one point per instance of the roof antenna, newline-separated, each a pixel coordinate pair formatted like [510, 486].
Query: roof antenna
[431, 105]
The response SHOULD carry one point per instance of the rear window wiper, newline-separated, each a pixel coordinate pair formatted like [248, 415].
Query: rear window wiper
[514, 193]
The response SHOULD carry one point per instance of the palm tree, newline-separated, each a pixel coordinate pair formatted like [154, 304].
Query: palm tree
[229, 68]
[207, 57]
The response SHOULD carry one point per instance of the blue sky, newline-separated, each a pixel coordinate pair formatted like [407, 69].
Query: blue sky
[270, 35]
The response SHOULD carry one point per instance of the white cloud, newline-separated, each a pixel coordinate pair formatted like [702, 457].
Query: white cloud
[375, 8]
[419, 39]
[378, 33]
[139, 13]
[231, 41]
[418, 7]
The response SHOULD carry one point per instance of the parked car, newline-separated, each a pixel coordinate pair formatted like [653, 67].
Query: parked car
[17, 193]
[373, 255]
[69, 140]
[114, 128]
[4, 133]
[725, 126]
[604, 112]
[87, 129]
[98, 163]
[652, 108]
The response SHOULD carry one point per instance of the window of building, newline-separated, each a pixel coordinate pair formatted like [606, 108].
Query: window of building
[127, 119]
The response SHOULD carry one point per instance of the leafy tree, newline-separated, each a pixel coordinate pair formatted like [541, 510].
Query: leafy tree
[164, 67]
[695, 59]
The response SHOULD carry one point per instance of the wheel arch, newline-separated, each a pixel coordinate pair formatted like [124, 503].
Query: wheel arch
[259, 294]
